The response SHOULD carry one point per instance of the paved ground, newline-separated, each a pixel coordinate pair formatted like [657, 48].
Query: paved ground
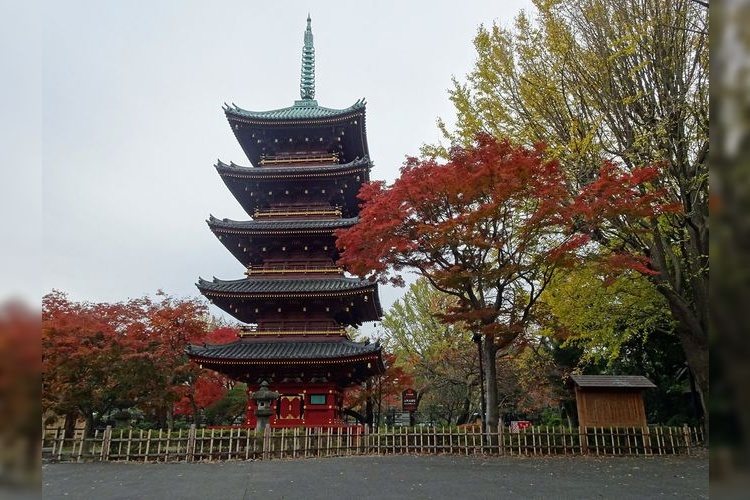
[386, 477]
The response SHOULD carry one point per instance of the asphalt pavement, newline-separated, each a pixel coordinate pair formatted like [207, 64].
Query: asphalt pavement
[385, 477]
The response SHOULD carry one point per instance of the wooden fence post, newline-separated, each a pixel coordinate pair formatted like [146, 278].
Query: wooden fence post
[190, 448]
[106, 442]
[647, 441]
[583, 440]
[80, 446]
[500, 438]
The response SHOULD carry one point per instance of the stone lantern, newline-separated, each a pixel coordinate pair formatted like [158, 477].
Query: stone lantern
[263, 398]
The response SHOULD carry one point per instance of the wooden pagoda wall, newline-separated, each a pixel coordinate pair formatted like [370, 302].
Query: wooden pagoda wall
[301, 405]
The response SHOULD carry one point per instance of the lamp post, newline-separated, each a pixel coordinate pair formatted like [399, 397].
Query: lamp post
[477, 338]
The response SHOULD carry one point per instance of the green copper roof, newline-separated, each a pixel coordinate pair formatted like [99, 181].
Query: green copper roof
[306, 109]
[307, 81]
[292, 225]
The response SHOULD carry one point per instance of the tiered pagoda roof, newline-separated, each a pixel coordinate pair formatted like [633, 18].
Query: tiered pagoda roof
[252, 360]
[326, 168]
[248, 352]
[247, 240]
[351, 301]
[286, 287]
[305, 110]
[273, 226]
[257, 188]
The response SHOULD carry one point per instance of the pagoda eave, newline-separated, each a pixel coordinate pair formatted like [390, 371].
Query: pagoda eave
[275, 227]
[289, 362]
[291, 355]
[328, 287]
[297, 295]
[305, 112]
[233, 170]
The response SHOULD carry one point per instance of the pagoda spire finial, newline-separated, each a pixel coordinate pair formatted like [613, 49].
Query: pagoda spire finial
[307, 81]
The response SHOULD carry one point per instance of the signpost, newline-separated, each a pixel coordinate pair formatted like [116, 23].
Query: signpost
[519, 425]
[402, 419]
[409, 405]
[409, 400]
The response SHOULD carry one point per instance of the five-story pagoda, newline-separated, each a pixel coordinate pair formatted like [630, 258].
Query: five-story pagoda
[308, 163]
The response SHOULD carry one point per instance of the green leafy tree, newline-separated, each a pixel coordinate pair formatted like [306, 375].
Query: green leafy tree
[439, 355]
[370, 400]
[620, 325]
[598, 312]
[230, 409]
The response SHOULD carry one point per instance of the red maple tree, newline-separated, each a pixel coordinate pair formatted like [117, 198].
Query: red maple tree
[102, 357]
[204, 387]
[490, 226]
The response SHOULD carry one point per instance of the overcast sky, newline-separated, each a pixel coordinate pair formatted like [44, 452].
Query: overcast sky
[132, 121]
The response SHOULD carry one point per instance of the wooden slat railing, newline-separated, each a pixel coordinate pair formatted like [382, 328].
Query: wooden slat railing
[240, 443]
[293, 269]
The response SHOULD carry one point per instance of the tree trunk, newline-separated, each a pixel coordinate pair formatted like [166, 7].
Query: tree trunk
[696, 353]
[693, 336]
[463, 416]
[196, 411]
[489, 351]
[369, 413]
[369, 404]
[89, 424]
[70, 424]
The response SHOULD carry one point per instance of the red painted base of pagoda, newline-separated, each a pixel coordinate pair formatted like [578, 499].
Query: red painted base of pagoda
[301, 405]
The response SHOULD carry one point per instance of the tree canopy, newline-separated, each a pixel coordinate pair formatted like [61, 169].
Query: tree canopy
[488, 227]
[100, 358]
[618, 81]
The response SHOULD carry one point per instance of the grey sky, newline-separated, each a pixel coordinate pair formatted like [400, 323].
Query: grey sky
[132, 120]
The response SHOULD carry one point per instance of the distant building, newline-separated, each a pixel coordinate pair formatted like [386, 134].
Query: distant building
[308, 164]
[610, 400]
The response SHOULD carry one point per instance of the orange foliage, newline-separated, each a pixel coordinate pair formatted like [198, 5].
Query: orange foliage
[100, 356]
[487, 215]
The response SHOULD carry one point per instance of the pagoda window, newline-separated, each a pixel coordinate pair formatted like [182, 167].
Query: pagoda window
[317, 399]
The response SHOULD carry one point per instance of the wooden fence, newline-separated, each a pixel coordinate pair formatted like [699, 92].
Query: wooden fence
[248, 444]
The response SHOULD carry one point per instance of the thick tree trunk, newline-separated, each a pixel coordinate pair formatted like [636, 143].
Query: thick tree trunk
[694, 340]
[688, 304]
[489, 351]
[696, 353]
[70, 424]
